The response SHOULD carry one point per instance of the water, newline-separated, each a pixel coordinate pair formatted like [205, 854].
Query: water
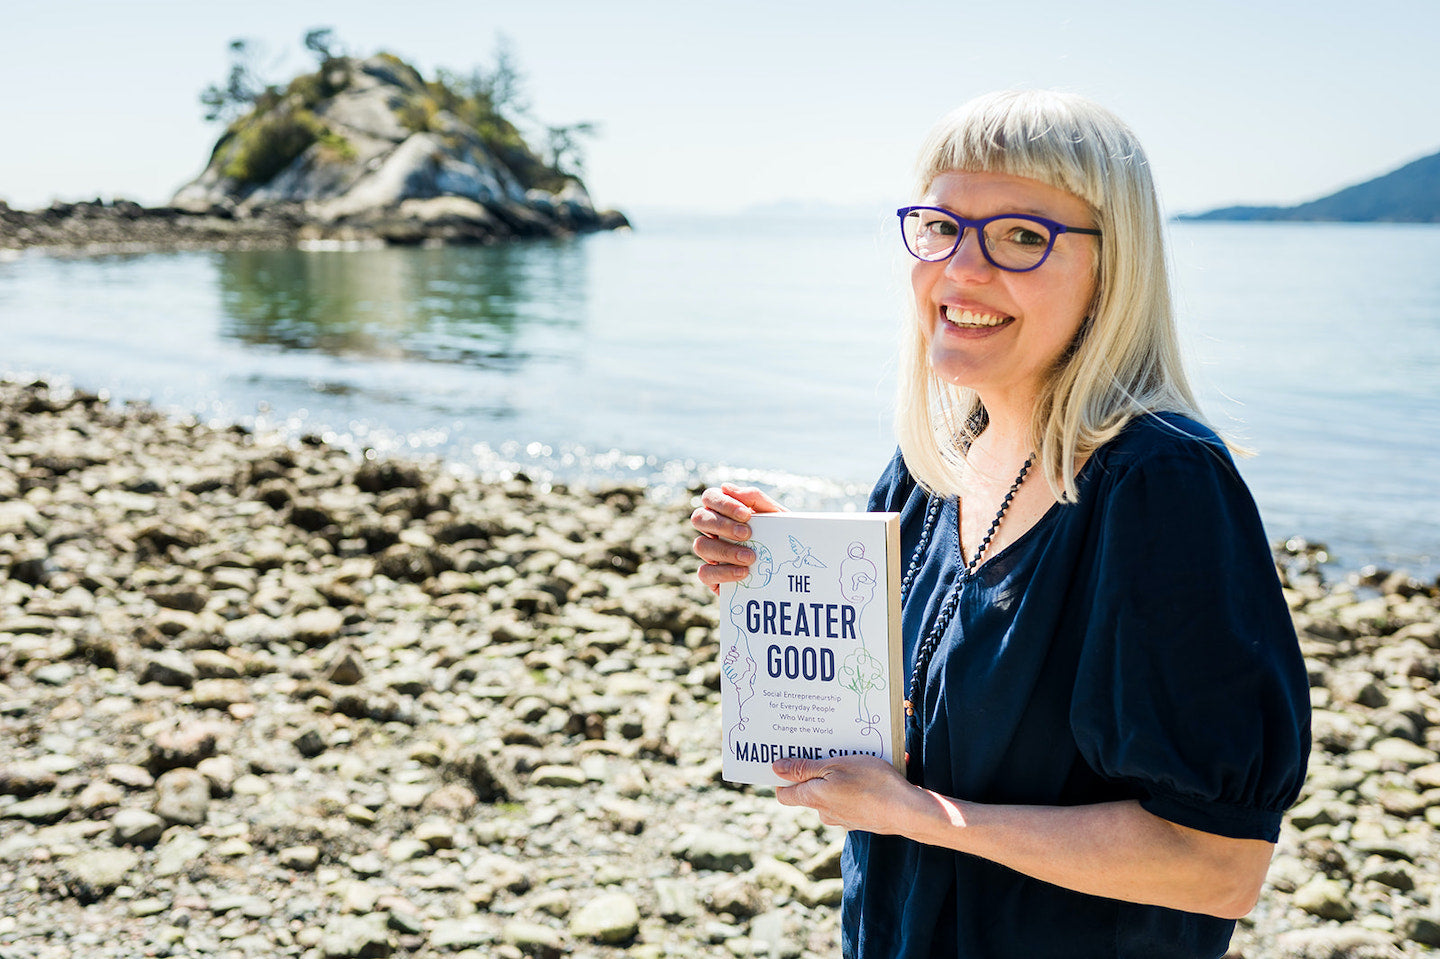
[720, 347]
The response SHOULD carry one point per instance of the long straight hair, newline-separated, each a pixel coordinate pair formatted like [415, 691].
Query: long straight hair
[1125, 360]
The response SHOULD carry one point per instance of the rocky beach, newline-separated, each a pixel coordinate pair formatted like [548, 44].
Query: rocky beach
[261, 698]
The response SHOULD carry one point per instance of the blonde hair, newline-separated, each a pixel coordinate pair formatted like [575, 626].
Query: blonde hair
[1125, 360]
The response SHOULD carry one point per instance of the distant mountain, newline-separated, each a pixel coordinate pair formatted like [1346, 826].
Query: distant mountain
[1410, 194]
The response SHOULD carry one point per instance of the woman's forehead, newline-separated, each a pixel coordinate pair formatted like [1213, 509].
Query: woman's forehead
[976, 193]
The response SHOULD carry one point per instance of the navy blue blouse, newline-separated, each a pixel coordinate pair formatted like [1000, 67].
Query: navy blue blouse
[1133, 645]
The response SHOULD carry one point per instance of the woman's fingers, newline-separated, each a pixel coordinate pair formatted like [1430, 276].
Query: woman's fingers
[722, 519]
[723, 552]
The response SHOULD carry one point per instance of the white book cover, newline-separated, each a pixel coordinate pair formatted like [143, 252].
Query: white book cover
[810, 650]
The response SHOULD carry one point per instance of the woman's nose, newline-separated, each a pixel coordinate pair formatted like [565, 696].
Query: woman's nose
[968, 259]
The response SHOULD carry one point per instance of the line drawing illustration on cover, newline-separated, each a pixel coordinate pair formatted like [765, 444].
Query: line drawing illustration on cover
[862, 671]
[739, 664]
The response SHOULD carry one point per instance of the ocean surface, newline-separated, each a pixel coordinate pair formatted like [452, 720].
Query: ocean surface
[760, 349]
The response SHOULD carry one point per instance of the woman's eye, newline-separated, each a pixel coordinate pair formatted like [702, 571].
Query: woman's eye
[940, 227]
[1023, 237]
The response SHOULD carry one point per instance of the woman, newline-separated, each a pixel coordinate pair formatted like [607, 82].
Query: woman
[1107, 709]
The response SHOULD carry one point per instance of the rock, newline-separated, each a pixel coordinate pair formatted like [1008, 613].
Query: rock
[41, 809]
[560, 776]
[182, 745]
[677, 899]
[182, 796]
[485, 776]
[1423, 928]
[1341, 942]
[1325, 898]
[458, 934]
[346, 668]
[740, 896]
[219, 693]
[169, 668]
[136, 827]
[611, 918]
[317, 627]
[357, 937]
[533, 939]
[711, 849]
[177, 851]
[436, 834]
[95, 874]
[99, 795]
[25, 779]
[299, 858]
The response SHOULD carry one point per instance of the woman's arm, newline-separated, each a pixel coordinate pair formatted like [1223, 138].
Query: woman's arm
[1116, 849]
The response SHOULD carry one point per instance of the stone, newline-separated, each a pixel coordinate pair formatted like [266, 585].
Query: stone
[357, 937]
[317, 627]
[95, 874]
[1335, 942]
[99, 795]
[740, 896]
[177, 851]
[611, 918]
[533, 939]
[677, 900]
[1325, 898]
[136, 827]
[219, 693]
[182, 796]
[458, 934]
[560, 776]
[25, 779]
[41, 809]
[436, 834]
[182, 745]
[169, 668]
[711, 849]
[299, 858]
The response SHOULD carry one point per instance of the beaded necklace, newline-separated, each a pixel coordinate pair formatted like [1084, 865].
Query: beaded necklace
[952, 598]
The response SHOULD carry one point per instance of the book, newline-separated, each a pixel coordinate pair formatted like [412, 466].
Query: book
[810, 649]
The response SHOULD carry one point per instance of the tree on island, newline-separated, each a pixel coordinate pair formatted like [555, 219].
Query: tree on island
[362, 137]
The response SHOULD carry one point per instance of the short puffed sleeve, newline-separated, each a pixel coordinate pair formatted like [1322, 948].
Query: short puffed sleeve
[1190, 686]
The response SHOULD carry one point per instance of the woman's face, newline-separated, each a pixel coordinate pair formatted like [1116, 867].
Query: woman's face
[992, 331]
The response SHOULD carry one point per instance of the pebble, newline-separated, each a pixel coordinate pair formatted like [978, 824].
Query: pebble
[483, 709]
[182, 796]
[609, 918]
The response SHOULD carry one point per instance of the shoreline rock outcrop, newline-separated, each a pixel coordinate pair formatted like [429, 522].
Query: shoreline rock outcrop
[265, 699]
[361, 151]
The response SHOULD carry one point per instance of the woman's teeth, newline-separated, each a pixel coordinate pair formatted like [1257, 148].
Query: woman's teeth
[968, 318]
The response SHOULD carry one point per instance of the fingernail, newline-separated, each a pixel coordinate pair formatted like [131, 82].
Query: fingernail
[747, 554]
[783, 766]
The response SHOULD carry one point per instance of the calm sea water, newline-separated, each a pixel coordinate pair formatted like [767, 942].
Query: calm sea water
[720, 347]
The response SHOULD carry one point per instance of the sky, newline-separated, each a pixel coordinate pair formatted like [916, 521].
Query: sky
[726, 106]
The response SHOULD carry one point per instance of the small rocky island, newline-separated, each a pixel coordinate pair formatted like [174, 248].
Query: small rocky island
[362, 151]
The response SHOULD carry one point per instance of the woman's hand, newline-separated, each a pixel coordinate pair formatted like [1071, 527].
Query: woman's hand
[855, 792]
[722, 519]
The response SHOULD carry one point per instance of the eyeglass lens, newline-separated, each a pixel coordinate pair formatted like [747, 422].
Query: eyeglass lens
[1012, 243]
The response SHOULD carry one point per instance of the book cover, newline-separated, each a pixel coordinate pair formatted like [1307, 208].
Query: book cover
[810, 650]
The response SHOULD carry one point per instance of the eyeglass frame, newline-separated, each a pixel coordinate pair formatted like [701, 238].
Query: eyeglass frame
[1056, 228]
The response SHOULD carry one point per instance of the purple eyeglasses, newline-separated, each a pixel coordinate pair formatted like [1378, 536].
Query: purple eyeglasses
[1014, 242]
